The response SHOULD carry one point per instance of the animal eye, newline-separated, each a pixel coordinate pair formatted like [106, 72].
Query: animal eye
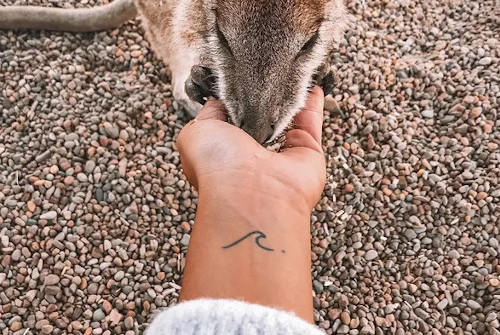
[223, 39]
[309, 44]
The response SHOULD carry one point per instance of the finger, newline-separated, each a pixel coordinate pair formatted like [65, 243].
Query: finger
[308, 123]
[212, 110]
[310, 119]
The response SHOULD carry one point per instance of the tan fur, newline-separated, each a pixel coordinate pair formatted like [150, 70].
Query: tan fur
[253, 48]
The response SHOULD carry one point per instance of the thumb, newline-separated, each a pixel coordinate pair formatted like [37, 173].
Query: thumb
[308, 123]
[212, 110]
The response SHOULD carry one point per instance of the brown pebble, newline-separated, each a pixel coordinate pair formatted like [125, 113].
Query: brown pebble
[107, 306]
[495, 282]
[65, 165]
[31, 206]
[345, 317]
[334, 313]
[481, 195]
[186, 227]
[114, 317]
[136, 53]
[54, 169]
[492, 146]
[15, 326]
[68, 180]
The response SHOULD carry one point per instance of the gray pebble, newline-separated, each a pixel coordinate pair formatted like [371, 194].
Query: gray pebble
[371, 255]
[50, 215]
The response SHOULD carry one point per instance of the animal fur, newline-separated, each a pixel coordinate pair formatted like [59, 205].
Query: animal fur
[254, 49]
[259, 57]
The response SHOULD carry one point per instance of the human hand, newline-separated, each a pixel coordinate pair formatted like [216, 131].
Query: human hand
[247, 192]
[219, 157]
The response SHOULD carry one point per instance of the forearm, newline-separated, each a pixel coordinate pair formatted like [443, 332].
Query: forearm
[271, 266]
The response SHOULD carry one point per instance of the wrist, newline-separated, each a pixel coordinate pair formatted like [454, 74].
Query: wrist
[250, 243]
[253, 196]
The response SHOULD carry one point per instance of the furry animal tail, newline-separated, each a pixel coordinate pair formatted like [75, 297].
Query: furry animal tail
[71, 20]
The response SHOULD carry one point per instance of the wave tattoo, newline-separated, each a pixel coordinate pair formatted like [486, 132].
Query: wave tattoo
[258, 235]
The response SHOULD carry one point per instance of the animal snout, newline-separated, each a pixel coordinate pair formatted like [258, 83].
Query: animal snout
[261, 132]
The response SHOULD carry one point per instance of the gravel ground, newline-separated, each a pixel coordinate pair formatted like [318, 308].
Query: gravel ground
[95, 214]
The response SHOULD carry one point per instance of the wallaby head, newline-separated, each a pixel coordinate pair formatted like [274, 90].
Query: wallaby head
[265, 53]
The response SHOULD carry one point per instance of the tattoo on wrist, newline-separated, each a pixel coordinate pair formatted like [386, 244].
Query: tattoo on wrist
[258, 236]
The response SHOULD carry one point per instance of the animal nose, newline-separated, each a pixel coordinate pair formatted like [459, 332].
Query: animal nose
[260, 133]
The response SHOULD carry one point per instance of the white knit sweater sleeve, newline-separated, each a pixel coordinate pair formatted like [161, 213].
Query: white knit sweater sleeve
[227, 317]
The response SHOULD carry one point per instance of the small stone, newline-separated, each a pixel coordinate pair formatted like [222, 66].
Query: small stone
[331, 105]
[475, 112]
[318, 287]
[186, 227]
[491, 317]
[495, 282]
[111, 130]
[51, 215]
[492, 146]
[98, 315]
[107, 306]
[68, 180]
[379, 321]
[334, 314]
[442, 304]
[367, 330]
[428, 113]
[345, 317]
[410, 234]
[481, 195]
[129, 322]
[453, 254]
[135, 53]
[47, 329]
[421, 313]
[371, 255]
[485, 61]
[15, 326]
[119, 275]
[31, 206]
[51, 280]
[115, 317]
[89, 166]
[185, 239]
[493, 242]
[343, 301]
[473, 304]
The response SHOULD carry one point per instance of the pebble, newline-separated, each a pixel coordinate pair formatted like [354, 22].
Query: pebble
[128, 322]
[485, 61]
[50, 215]
[47, 329]
[111, 130]
[428, 113]
[454, 254]
[51, 280]
[442, 304]
[98, 315]
[371, 255]
[346, 318]
[185, 239]
[473, 304]
[318, 287]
